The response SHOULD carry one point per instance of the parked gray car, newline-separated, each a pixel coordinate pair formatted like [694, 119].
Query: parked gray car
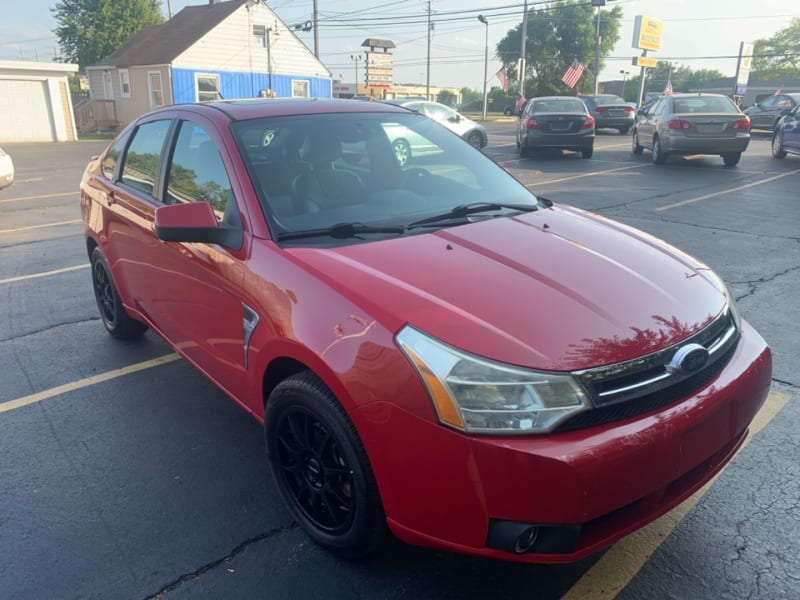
[555, 122]
[610, 111]
[692, 124]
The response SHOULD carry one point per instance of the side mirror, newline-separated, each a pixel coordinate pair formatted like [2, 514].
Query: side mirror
[641, 112]
[455, 118]
[195, 222]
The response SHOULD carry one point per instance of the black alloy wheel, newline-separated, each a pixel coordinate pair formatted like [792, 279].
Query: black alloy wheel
[475, 139]
[321, 467]
[115, 319]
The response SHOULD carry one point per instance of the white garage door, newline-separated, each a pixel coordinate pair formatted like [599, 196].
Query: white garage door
[25, 114]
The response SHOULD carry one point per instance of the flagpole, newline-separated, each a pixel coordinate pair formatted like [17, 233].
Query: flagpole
[522, 50]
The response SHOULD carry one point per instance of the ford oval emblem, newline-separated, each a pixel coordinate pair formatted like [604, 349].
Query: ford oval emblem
[690, 358]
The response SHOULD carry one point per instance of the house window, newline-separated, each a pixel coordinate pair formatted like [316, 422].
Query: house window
[207, 87]
[124, 83]
[300, 88]
[156, 94]
[260, 35]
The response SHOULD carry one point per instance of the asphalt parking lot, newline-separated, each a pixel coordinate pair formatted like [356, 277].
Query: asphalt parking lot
[126, 474]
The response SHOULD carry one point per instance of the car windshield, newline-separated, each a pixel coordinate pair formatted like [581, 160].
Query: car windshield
[369, 174]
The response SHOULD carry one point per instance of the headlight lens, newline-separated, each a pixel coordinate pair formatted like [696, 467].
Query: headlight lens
[477, 395]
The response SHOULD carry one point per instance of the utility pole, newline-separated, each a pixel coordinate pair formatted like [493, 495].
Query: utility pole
[485, 21]
[356, 58]
[522, 50]
[316, 30]
[597, 4]
[428, 68]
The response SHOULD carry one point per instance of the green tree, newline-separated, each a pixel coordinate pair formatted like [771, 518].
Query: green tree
[90, 30]
[446, 97]
[779, 54]
[557, 35]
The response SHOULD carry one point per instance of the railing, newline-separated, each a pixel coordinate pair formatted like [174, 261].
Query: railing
[96, 115]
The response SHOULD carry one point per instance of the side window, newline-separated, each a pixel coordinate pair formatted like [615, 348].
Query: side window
[112, 156]
[658, 108]
[768, 102]
[197, 173]
[440, 113]
[140, 168]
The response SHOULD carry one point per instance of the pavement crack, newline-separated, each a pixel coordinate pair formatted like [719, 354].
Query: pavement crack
[48, 328]
[784, 382]
[752, 284]
[179, 581]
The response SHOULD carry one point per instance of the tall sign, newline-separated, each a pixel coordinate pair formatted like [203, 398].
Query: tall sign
[743, 68]
[646, 36]
[379, 69]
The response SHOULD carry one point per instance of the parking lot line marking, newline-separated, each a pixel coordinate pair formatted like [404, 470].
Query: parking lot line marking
[728, 191]
[29, 227]
[86, 382]
[582, 175]
[618, 566]
[40, 197]
[43, 274]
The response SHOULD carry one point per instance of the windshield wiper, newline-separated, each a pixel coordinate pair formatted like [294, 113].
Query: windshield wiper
[464, 210]
[339, 231]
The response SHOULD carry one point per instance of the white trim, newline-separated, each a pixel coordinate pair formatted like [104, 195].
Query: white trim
[150, 89]
[124, 82]
[197, 75]
[308, 87]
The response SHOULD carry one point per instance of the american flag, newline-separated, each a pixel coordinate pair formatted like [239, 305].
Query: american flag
[668, 89]
[573, 73]
[503, 79]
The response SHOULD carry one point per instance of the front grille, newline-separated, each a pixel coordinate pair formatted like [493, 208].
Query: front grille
[634, 387]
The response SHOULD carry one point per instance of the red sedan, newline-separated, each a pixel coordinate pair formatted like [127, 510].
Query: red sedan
[429, 346]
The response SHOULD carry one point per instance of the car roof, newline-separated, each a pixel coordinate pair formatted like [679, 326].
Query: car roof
[556, 98]
[253, 108]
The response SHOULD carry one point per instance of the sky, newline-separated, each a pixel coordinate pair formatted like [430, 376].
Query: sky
[696, 33]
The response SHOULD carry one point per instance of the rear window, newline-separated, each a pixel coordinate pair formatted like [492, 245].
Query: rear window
[608, 99]
[560, 105]
[702, 104]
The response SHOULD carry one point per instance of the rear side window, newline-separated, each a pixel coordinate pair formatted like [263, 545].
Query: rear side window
[197, 173]
[143, 157]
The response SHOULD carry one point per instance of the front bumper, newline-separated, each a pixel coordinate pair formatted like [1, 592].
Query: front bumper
[590, 487]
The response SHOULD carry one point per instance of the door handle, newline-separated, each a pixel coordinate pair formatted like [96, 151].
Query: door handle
[110, 198]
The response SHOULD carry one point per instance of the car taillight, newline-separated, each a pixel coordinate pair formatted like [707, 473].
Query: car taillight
[743, 124]
[531, 123]
[588, 122]
[629, 109]
[679, 124]
[601, 110]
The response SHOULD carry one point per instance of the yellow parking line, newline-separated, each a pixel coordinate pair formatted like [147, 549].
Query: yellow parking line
[728, 191]
[86, 382]
[623, 560]
[29, 227]
[43, 274]
[582, 175]
[40, 197]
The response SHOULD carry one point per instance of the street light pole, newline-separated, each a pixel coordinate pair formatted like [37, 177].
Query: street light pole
[483, 20]
[355, 58]
[522, 50]
[624, 74]
[597, 4]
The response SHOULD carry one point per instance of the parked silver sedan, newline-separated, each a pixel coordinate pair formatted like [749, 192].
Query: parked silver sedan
[692, 124]
[6, 169]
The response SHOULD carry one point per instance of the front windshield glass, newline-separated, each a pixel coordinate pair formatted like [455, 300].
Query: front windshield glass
[381, 170]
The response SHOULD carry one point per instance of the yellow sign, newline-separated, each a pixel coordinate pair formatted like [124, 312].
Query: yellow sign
[644, 61]
[647, 33]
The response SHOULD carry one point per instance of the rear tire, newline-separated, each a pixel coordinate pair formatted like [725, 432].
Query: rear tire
[659, 157]
[587, 152]
[113, 314]
[623, 130]
[321, 468]
[523, 150]
[731, 159]
[776, 146]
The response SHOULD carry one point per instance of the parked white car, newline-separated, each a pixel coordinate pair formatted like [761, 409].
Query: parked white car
[6, 169]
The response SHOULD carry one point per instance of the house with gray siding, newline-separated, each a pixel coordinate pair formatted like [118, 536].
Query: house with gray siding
[219, 50]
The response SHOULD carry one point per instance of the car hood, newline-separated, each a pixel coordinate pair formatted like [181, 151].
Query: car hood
[556, 289]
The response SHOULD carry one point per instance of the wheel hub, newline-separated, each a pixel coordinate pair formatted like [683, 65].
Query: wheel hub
[314, 472]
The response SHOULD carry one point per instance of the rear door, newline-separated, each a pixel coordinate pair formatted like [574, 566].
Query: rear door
[791, 130]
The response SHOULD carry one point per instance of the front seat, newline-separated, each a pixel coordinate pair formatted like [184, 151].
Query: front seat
[324, 186]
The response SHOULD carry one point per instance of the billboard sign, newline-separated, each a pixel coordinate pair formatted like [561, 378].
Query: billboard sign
[743, 68]
[379, 69]
[644, 61]
[647, 33]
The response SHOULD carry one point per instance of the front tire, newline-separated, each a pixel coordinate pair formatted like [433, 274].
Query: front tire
[636, 147]
[402, 151]
[659, 156]
[776, 146]
[475, 139]
[115, 318]
[321, 467]
[731, 159]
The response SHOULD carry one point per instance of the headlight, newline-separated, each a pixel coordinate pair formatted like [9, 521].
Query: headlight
[737, 319]
[477, 395]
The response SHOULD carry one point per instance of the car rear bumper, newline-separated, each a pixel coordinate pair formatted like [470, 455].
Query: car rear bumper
[613, 122]
[535, 139]
[680, 144]
[583, 489]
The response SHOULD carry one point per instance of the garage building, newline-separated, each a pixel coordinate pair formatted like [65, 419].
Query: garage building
[35, 103]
